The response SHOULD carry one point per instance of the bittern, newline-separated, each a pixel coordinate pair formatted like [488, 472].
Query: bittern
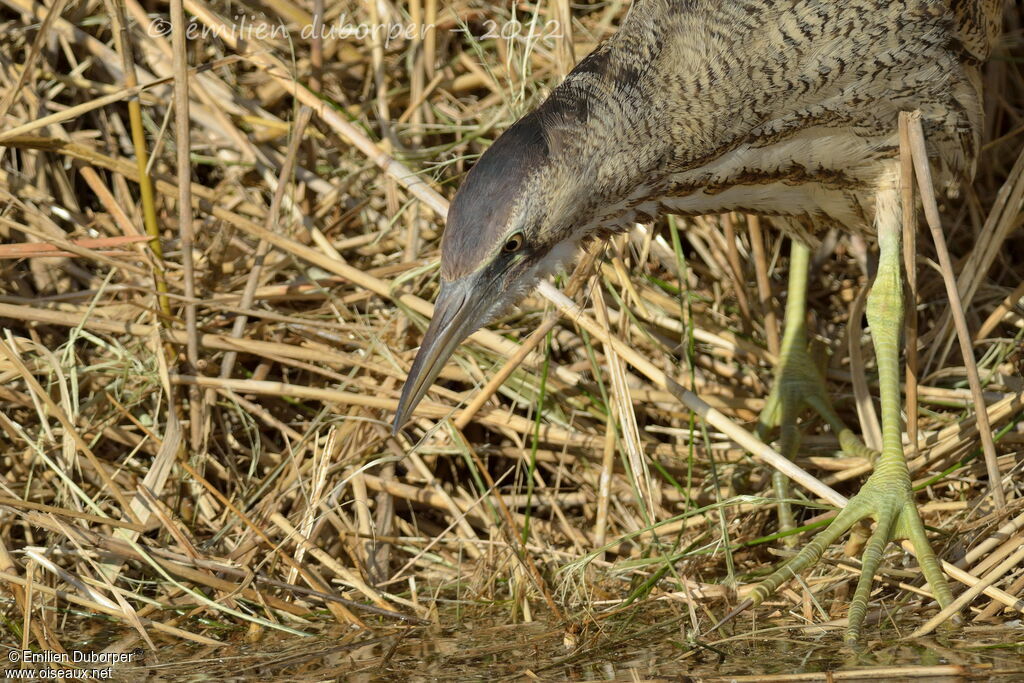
[777, 107]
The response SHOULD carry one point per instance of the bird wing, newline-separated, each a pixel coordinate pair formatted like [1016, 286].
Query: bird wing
[977, 25]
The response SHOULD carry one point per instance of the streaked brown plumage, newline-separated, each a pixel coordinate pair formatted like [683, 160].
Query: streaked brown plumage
[700, 107]
[785, 107]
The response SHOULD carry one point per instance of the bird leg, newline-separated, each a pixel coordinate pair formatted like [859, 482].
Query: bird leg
[799, 383]
[887, 496]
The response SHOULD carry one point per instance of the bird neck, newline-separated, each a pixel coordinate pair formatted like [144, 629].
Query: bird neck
[639, 107]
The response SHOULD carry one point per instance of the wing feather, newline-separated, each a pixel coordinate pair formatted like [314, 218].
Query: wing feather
[977, 25]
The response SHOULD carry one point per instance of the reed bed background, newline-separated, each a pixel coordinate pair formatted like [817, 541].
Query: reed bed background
[203, 344]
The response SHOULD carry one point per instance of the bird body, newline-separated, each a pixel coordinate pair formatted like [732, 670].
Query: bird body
[769, 106]
[784, 107]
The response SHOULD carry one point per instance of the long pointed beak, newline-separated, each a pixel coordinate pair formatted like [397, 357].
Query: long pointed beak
[457, 314]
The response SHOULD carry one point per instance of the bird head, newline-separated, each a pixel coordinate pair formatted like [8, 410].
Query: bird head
[505, 232]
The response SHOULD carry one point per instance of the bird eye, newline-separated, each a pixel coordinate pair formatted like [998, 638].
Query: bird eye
[513, 244]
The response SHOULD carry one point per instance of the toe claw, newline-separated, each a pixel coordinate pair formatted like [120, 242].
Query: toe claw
[740, 608]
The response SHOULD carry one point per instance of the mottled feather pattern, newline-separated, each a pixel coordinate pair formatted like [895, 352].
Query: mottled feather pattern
[785, 107]
[977, 25]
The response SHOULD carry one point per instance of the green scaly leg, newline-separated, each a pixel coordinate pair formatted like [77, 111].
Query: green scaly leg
[887, 496]
[799, 383]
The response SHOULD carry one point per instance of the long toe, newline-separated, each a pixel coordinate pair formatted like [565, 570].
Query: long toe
[888, 499]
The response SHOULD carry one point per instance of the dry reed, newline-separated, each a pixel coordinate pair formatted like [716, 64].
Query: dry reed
[202, 346]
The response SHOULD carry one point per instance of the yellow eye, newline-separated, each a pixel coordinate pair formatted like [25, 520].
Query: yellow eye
[513, 243]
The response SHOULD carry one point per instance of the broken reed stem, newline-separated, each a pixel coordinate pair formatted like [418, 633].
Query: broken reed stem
[931, 212]
[123, 43]
[909, 215]
[183, 137]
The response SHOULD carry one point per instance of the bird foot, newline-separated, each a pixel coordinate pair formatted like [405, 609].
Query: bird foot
[888, 499]
[887, 496]
[798, 385]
